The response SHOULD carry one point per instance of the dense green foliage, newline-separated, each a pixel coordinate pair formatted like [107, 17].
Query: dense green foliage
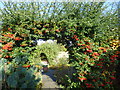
[50, 50]
[84, 24]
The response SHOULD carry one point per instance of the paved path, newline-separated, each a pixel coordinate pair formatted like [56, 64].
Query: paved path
[48, 80]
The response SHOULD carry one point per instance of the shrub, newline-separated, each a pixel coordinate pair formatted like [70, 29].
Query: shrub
[62, 73]
[50, 50]
[95, 65]
[15, 75]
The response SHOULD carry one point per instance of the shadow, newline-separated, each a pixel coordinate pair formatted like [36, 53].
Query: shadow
[50, 73]
[111, 64]
[62, 73]
[117, 84]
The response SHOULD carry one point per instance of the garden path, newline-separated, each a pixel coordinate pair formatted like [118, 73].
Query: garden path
[49, 80]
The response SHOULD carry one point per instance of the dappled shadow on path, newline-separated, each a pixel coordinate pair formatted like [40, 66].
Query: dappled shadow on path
[49, 81]
[50, 73]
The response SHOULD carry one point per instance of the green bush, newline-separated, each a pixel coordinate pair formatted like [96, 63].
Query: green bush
[63, 73]
[15, 75]
[50, 50]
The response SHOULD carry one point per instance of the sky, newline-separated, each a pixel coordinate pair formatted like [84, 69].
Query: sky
[58, 0]
[107, 1]
[62, 0]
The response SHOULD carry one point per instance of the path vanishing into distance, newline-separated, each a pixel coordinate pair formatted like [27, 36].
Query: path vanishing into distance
[49, 81]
